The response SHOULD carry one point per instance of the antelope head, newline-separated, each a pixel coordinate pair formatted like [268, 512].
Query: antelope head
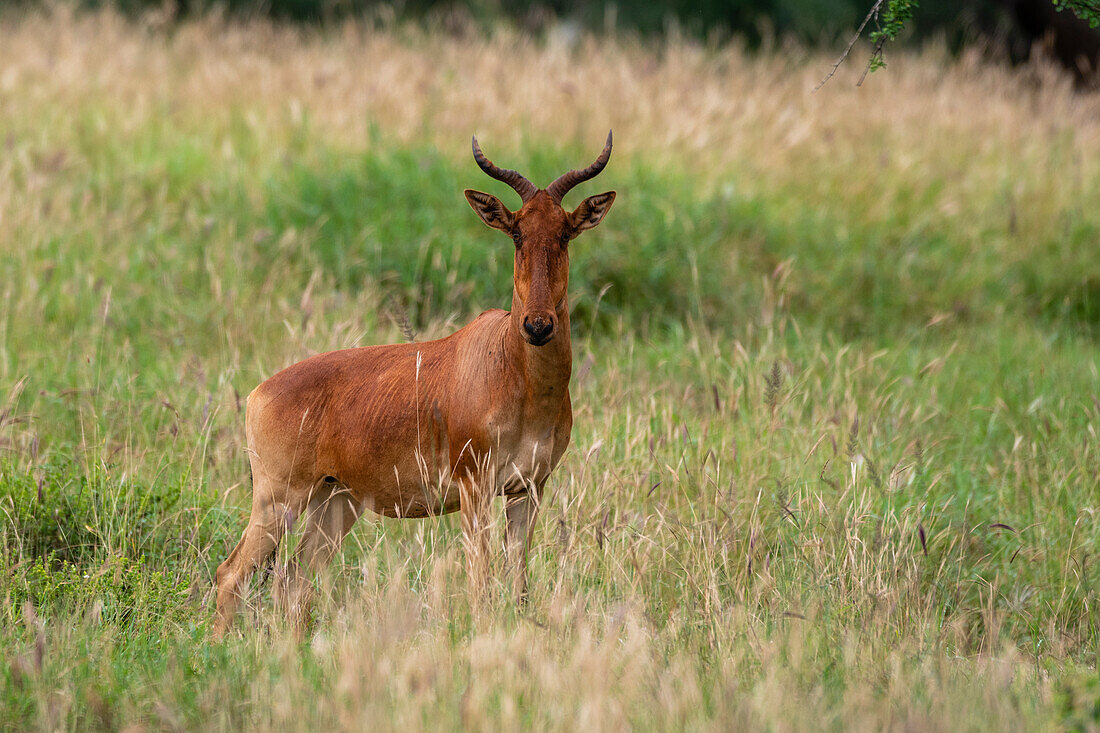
[541, 230]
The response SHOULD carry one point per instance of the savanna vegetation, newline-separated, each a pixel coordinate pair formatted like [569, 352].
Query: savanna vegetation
[836, 382]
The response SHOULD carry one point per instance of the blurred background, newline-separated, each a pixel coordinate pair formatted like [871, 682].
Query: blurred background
[1005, 29]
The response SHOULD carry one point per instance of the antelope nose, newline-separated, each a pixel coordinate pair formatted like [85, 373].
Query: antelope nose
[539, 329]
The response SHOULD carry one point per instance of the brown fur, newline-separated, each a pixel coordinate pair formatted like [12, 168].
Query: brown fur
[412, 430]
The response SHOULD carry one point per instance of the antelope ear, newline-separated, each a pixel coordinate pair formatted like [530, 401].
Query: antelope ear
[591, 211]
[491, 211]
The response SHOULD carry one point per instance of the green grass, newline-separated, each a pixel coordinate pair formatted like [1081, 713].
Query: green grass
[834, 463]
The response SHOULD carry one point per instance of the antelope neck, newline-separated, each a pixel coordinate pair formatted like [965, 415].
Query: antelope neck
[545, 368]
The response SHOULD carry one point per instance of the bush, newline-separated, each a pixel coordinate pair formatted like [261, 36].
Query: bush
[61, 516]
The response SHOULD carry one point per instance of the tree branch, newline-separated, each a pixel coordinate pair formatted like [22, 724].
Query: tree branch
[851, 44]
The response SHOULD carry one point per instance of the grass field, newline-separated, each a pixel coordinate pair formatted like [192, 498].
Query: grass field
[836, 390]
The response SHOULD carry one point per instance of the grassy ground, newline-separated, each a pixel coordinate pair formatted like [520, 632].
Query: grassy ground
[836, 380]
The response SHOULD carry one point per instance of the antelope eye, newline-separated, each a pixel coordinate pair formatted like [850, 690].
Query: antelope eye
[565, 237]
[515, 237]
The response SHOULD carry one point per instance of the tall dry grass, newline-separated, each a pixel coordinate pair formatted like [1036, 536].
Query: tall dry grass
[759, 524]
[714, 111]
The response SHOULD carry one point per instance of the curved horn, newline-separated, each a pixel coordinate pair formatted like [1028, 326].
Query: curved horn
[560, 187]
[523, 187]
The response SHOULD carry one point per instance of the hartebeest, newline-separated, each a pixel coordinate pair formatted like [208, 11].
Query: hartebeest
[419, 429]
